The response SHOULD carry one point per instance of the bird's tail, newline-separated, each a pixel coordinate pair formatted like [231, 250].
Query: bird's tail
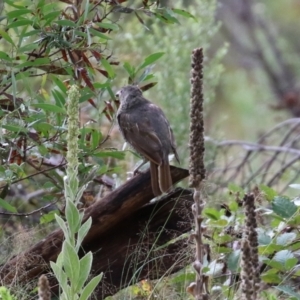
[154, 179]
[164, 176]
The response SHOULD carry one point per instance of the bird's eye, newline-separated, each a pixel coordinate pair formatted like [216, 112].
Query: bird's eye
[118, 94]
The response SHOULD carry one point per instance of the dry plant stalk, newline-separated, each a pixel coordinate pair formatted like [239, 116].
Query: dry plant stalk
[44, 288]
[249, 263]
[197, 169]
[198, 289]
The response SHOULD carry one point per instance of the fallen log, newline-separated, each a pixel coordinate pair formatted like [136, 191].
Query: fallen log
[137, 248]
[117, 228]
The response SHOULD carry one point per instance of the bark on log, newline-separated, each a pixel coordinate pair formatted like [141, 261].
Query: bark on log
[116, 230]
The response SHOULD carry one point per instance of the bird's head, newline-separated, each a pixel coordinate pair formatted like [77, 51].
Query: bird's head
[128, 93]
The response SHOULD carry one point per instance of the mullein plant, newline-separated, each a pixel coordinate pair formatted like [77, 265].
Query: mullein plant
[199, 288]
[71, 271]
[250, 279]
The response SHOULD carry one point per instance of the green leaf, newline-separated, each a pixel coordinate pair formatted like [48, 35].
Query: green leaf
[42, 149]
[5, 294]
[92, 142]
[57, 271]
[51, 16]
[129, 69]
[212, 213]
[286, 238]
[270, 249]
[15, 128]
[83, 231]
[220, 223]
[166, 15]
[233, 206]
[98, 85]
[80, 33]
[96, 137]
[5, 56]
[60, 84]
[18, 13]
[263, 238]
[271, 276]
[151, 59]
[114, 154]
[83, 17]
[32, 32]
[85, 269]
[6, 37]
[43, 127]
[282, 256]
[274, 264]
[60, 99]
[49, 217]
[122, 9]
[108, 26]
[4, 204]
[86, 96]
[288, 291]
[17, 169]
[183, 13]
[79, 195]
[19, 23]
[73, 185]
[222, 239]
[223, 250]
[71, 262]
[62, 225]
[65, 23]
[170, 16]
[291, 263]
[90, 287]
[72, 216]
[22, 75]
[99, 34]
[107, 66]
[182, 278]
[269, 192]
[295, 246]
[34, 63]
[13, 4]
[235, 189]
[146, 74]
[148, 77]
[233, 260]
[283, 207]
[49, 107]
[28, 47]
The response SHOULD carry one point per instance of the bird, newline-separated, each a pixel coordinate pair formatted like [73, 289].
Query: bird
[145, 127]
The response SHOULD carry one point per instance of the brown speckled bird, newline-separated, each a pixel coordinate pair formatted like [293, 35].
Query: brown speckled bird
[145, 127]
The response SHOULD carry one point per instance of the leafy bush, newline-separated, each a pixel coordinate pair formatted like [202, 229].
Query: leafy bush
[45, 48]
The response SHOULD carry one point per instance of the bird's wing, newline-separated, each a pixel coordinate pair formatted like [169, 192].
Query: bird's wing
[137, 130]
[172, 139]
[171, 135]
